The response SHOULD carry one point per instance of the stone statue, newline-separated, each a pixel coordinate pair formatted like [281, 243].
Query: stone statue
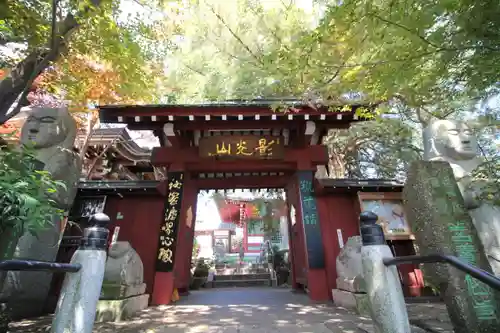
[351, 287]
[123, 290]
[455, 143]
[124, 266]
[51, 132]
[349, 267]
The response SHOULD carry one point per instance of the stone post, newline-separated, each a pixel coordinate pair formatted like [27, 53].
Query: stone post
[76, 309]
[387, 303]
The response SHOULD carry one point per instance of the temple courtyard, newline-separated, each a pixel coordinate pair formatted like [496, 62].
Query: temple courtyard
[251, 309]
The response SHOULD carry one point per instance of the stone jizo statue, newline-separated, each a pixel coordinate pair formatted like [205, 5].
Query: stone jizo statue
[454, 142]
[124, 266]
[52, 132]
[349, 266]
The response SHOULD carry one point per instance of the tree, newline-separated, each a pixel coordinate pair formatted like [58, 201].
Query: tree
[360, 51]
[221, 53]
[426, 59]
[84, 31]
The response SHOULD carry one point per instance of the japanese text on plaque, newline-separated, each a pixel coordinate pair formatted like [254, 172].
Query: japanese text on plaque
[168, 230]
[241, 147]
[308, 203]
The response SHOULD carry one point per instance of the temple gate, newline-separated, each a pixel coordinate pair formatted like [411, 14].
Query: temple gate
[236, 146]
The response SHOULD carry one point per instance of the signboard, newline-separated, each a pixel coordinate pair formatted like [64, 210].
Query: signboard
[84, 207]
[391, 216]
[310, 221]
[248, 147]
[171, 218]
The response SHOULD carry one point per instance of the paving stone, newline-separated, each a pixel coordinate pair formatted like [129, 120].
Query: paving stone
[243, 310]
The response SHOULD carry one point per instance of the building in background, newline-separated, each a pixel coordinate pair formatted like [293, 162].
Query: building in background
[226, 223]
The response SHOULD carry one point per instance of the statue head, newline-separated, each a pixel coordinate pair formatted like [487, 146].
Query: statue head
[451, 139]
[49, 127]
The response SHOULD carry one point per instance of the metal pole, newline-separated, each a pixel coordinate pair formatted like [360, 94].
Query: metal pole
[383, 287]
[77, 304]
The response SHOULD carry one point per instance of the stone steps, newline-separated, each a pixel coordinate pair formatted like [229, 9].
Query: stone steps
[242, 277]
[240, 283]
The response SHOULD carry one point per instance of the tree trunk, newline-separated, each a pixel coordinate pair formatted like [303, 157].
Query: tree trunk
[20, 80]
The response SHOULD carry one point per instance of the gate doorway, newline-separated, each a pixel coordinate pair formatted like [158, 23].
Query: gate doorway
[241, 239]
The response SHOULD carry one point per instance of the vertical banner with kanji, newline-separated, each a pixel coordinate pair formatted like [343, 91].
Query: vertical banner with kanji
[169, 226]
[310, 221]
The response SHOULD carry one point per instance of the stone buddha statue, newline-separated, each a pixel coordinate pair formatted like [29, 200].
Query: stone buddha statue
[51, 132]
[455, 143]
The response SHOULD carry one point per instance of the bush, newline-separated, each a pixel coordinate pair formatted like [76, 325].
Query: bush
[25, 192]
[201, 270]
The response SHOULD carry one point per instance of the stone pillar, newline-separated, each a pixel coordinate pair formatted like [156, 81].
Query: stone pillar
[437, 215]
[387, 303]
[76, 309]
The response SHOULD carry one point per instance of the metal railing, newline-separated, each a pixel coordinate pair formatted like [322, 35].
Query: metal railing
[473, 271]
[33, 265]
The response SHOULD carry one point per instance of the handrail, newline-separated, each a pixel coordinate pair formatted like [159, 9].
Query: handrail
[474, 271]
[33, 265]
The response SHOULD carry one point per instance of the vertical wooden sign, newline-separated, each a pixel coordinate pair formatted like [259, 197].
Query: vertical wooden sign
[171, 219]
[310, 221]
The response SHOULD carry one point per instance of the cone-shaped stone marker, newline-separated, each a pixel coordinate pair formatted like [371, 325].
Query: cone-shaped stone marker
[80, 293]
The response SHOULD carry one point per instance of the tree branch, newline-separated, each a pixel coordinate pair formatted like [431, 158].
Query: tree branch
[236, 36]
[21, 78]
[422, 38]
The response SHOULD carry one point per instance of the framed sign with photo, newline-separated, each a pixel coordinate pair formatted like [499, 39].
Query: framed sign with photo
[391, 216]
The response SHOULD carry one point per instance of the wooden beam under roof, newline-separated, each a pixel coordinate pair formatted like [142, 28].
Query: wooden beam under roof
[154, 115]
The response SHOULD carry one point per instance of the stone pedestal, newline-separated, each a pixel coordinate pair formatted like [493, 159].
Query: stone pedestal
[123, 290]
[358, 302]
[120, 309]
[354, 285]
[27, 291]
[112, 291]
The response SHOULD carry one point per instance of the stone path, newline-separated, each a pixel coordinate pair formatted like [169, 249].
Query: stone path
[238, 310]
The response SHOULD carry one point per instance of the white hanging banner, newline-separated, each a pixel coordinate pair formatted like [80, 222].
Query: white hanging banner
[340, 238]
[114, 239]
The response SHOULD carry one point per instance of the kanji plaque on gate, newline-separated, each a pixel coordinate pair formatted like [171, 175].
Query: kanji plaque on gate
[171, 217]
[248, 146]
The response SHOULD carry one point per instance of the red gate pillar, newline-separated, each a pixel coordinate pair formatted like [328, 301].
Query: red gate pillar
[185, 238]
[165, 279]
[307, 214]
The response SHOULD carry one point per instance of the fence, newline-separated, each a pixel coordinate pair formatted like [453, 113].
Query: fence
[83, 281]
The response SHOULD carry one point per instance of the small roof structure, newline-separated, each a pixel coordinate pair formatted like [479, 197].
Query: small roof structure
[120, 148]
